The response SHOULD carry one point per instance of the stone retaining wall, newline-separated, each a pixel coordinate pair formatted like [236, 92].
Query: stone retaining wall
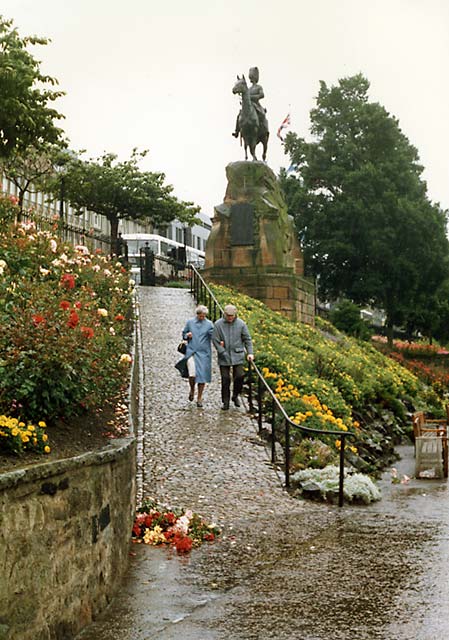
[64, 541]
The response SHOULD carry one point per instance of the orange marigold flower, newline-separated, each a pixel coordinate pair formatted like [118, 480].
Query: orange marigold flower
[119, 317]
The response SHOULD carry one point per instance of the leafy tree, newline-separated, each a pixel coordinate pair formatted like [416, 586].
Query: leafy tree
[25, 115]
[431, 315]
[345, 316]
[28, 170]
[121, 191]
[368, 229]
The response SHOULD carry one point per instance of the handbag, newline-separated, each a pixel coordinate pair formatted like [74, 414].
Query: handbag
[182, 347]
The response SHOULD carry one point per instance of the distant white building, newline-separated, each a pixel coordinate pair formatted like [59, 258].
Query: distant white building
[92, 224]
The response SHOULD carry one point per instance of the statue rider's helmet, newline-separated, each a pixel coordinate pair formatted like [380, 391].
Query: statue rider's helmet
[254, 74]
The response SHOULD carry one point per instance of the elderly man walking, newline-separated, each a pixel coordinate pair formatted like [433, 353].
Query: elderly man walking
[230, 338]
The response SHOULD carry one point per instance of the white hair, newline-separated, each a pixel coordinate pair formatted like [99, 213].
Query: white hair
[201, 309]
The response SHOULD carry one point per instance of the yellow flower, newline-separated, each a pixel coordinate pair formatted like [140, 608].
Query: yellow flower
[42, 424]
[44, 437]
[154, 536]
[47, 449]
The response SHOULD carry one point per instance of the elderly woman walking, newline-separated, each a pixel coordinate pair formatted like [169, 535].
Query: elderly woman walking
[198, 333]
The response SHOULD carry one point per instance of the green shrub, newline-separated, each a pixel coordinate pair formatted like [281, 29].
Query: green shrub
[327, 380]
[64, 326]
[345, 316]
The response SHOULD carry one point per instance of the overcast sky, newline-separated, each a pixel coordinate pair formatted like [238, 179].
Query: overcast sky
[158, 75]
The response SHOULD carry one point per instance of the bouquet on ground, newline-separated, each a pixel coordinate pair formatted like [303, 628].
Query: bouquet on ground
[160, 525]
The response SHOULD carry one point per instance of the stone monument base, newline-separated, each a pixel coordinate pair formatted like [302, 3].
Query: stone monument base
[253, 245]
[291, 295]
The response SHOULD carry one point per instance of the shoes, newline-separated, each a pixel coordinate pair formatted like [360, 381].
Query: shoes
[236, 401]
[235, 134]
[199, 404]
[225, 406]
[191, 396]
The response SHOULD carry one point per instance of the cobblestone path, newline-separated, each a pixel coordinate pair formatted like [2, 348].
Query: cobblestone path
[283, 568]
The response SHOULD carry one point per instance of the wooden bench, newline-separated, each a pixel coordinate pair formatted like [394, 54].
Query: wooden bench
[431, 447]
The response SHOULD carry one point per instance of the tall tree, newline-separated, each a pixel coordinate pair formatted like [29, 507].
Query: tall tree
[368, 229]
[29, 169]
[25, 94]
[121, 191]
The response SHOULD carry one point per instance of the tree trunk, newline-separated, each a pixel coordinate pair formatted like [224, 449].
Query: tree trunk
[390, 333]
[114, 232]
[20, 204]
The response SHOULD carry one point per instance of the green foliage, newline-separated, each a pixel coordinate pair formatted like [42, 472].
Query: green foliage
[8, 208]
[63, 327]
[312, 454]
[346, 317]
[120, 190]
[366, 225]
[326, 380]
[28, 169]
[17, 437]
[25, 115]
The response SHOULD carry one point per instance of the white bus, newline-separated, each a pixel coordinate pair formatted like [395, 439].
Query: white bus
[164, 241]
[160, 246]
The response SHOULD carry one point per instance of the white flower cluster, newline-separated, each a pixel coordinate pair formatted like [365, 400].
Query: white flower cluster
[357, 486]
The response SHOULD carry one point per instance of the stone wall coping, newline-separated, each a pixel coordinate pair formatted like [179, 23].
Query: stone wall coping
[109, 453]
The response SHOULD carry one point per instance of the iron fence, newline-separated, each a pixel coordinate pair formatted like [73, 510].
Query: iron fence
[204, 295]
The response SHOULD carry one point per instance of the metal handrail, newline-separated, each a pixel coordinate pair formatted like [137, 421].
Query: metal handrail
[203, 294]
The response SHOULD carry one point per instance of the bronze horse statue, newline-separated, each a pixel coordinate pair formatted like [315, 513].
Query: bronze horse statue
[253, 128]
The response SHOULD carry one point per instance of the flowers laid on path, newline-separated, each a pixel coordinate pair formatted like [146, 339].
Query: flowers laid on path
[160, 525]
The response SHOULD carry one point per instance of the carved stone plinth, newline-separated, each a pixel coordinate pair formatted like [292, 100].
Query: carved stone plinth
[253, 245]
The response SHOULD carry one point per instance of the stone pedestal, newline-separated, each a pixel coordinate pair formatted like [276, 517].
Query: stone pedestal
[253, 245]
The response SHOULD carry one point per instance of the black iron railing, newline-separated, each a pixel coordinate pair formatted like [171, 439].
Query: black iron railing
[203, 295]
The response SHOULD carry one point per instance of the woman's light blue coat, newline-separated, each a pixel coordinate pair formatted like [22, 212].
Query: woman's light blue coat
[200, 347]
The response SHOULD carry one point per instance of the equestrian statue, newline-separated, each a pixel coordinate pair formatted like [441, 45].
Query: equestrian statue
[252, 123]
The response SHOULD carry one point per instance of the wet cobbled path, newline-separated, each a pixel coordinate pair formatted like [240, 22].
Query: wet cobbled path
[283, 568]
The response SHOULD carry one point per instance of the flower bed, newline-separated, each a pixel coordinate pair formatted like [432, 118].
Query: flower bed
[327, 380]
[64, 330]
[428, 362]
[182, 529]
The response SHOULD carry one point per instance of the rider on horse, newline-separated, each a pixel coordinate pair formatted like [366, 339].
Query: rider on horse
[256, 94]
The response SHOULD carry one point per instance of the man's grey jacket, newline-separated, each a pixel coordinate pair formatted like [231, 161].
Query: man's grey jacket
[236, 338]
